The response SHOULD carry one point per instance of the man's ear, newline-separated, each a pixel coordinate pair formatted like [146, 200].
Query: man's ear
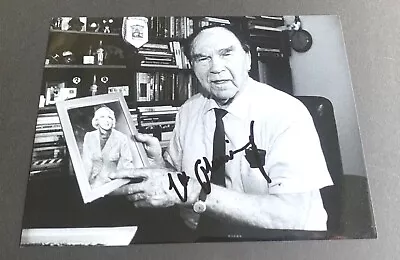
[248, 60]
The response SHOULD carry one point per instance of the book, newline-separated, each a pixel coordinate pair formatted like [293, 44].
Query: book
[47, 120]
[156, 53]
[216, 20]
[154, 46]
[178, 54]
[171, 66]
[48, 137]
[264, 28]
[48, 127]
[159, 62]
[152, 58]
[143, 82]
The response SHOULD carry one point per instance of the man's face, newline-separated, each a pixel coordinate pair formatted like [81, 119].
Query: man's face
[220, 63]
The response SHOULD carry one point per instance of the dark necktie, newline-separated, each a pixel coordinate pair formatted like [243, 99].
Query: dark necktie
[218, 175]
[209, 226]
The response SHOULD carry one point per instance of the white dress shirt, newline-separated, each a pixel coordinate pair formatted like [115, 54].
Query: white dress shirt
[283, 128]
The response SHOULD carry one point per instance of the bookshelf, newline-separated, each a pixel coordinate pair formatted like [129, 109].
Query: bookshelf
[156, 75]
[54, 31]
[82, 66]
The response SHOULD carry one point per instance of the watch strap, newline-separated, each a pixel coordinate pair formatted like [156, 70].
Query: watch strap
[202, 195]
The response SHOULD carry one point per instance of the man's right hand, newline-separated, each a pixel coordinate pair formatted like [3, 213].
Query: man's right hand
[153, 149]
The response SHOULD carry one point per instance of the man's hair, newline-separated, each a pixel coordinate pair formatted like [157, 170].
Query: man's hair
[188, 43]
[99, 111]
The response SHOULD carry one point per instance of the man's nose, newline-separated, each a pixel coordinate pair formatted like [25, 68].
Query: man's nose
[217, 65]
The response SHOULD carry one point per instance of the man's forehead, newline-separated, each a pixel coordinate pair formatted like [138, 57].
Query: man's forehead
[214, 39]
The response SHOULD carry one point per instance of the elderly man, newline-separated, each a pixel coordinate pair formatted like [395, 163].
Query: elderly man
[271, 184]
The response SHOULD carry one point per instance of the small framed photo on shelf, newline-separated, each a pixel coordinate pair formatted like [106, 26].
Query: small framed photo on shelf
[99, 133]
[57, 91]
[122, 89]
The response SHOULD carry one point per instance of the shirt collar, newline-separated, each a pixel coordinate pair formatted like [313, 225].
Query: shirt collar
[239, 105]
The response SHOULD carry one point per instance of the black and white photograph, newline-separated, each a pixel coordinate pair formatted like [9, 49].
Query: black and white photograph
[227, 129]
[99, 134]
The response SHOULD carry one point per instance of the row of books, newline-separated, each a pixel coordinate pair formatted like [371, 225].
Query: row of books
[163, 86]
[267, 34]
[158, 121]
[181, 26]
[49, 148]
[269, 52]
[170, 27]
[265, 23]
[161, 55]
[134, 116]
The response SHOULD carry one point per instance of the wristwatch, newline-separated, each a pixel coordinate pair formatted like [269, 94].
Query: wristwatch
[200, 205]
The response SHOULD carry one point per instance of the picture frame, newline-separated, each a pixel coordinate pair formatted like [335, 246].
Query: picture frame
[77, 117]
[58, 91]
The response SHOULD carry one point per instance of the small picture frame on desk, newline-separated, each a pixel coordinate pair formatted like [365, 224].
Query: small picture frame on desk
[99, 133]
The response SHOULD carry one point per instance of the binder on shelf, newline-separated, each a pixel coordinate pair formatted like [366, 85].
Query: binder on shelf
[178, 54]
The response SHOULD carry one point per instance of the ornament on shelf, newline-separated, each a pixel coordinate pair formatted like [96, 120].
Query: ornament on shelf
[135, 31]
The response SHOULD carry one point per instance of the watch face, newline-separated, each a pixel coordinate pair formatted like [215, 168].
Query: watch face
[199, 207]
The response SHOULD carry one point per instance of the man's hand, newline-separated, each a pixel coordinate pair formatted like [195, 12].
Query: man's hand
[152, 191]
[153, 149]
[154, 188]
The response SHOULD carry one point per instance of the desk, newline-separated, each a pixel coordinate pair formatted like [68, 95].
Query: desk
[54, 201]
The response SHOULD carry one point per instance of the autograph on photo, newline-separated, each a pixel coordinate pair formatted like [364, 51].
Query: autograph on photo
[252, 156]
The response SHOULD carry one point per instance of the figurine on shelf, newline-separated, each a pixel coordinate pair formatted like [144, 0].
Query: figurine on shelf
[94, 87]
[94, 26]
[68, 57]
[101, 54]
[56, 23]
[53, 59]
[65, 57]
[75, 24]
[107, 24]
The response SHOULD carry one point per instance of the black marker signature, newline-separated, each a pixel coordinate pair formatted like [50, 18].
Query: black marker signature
[183, 179]
[218, 162]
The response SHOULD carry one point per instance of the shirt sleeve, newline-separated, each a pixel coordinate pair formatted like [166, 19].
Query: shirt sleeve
[295, 161]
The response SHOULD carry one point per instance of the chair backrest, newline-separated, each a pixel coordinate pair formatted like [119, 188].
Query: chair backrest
[321, 110]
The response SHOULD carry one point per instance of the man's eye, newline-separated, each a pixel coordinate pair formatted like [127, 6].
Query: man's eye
[226, 53]
[202, 59]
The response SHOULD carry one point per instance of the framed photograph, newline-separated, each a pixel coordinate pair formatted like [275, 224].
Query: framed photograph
[99, 133]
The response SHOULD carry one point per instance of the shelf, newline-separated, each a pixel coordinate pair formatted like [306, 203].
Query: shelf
[161, 39]
[84, 32]
[47, 109]
[160, 103]
[82, 66]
